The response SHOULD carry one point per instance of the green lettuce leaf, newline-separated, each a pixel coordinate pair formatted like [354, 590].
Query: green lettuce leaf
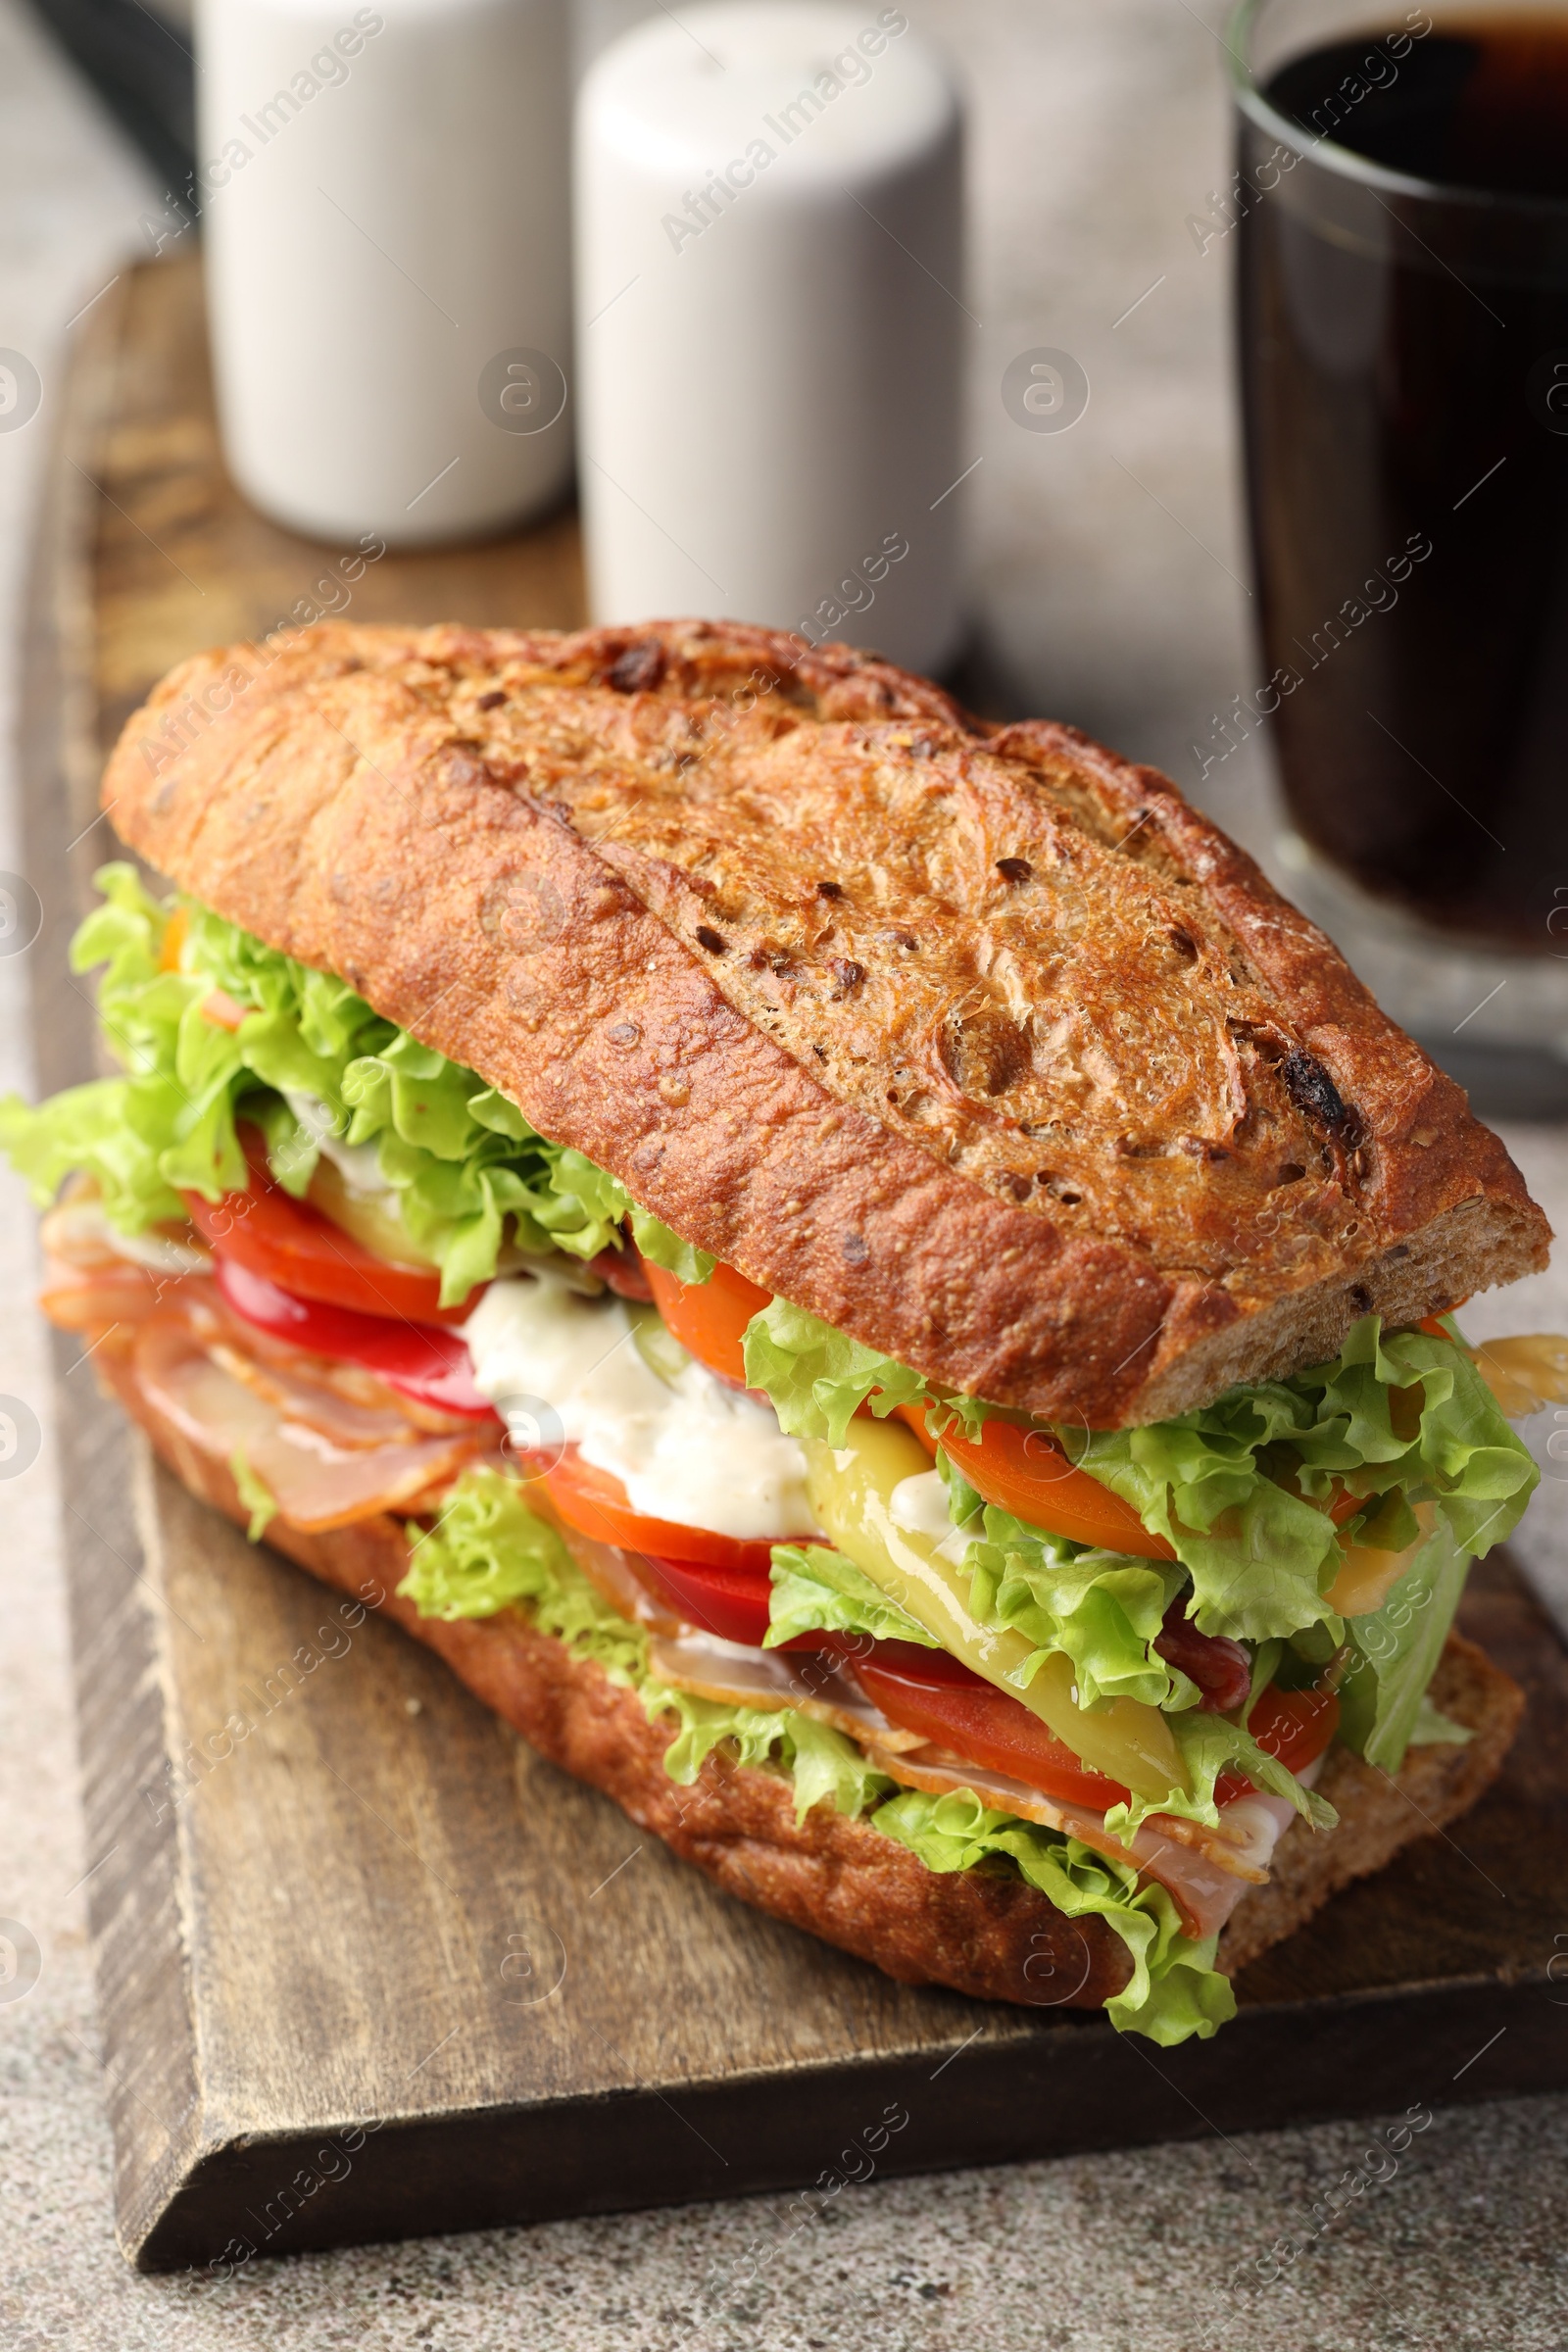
[822, 1762]
[1262, 1558]
[1209, 1745]
[1396, 1652]
[488, 1551]
[460, 1158]
[1434, 1729]
[819, 1591]
[1175, 1990]
[1102, 1608]
[818, 1378]
[254, 1493]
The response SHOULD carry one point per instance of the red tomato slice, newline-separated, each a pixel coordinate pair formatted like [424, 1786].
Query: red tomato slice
[422, 1360]
[926, 1691]
[291, 1244]
[710, 1318]
[719, 1600]
[594, 1502]
[1292, 1724]
[1025, 1471]
[726, 1601]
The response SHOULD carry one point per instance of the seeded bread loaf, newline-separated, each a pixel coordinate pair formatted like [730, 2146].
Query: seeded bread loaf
[977, 1041]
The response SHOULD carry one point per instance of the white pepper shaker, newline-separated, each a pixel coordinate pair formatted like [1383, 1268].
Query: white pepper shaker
[771, 325]
[386, 206]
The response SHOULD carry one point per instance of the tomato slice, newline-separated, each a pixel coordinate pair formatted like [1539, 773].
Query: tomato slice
[1295, 1726]
[422, 1360]
[1025, 1471]
[291, 1244]
[595, 1504]
[928, 1691]
[730, 1603]
[710, 1318]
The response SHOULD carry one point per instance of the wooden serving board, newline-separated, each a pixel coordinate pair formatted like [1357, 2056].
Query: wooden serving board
[380, 1969]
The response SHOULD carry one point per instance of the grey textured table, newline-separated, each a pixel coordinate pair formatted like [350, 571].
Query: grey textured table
[1107, 579]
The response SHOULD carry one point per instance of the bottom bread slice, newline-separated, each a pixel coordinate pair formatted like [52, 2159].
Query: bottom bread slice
[979, 1931]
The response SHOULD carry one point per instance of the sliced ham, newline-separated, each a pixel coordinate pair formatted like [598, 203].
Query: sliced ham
[609, 1569]
[350, 1423]
[99, 1298]
[316, 1481]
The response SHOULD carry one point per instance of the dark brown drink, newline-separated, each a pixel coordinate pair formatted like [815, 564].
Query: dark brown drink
[1404, 351]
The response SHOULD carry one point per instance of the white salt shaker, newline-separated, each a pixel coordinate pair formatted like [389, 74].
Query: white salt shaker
[770, 324]
[386, 208]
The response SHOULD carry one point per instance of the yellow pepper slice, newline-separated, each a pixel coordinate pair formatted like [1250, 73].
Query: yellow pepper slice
[1368, 1573]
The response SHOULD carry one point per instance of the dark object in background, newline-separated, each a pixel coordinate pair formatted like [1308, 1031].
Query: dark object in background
[140, 64]
[1404, 350]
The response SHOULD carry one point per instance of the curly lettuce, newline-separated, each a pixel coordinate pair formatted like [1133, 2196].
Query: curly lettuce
[1402, 1413]
[467, 1170]
[818, 1591]
[1175, 1990]
[1103, 1608]
[817, 1377]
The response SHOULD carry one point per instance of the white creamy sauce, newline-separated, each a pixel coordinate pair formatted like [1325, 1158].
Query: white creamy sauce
[689, 1449]
[919, 1505]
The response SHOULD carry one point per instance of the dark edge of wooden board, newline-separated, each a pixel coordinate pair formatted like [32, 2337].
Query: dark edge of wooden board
[191, 2188]
[133, 1911]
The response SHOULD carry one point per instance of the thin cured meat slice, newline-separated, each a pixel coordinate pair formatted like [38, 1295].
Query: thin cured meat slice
[811, 1683]
[349, 1423]
[99, 1298]
[315, 1482]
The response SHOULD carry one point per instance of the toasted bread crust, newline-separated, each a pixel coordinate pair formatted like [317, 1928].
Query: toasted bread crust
[991, 1936]
[980, 1043]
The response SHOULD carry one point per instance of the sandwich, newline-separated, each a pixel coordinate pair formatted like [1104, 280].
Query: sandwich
[856, 1272]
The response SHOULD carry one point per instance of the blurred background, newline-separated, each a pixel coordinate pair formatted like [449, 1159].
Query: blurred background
[1106, 564]
[1104, 581]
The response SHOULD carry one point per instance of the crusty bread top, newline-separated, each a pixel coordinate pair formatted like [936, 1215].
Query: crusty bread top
[979, 1043]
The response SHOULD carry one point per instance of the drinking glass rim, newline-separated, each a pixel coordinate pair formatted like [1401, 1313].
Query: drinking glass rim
[1346, 159]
